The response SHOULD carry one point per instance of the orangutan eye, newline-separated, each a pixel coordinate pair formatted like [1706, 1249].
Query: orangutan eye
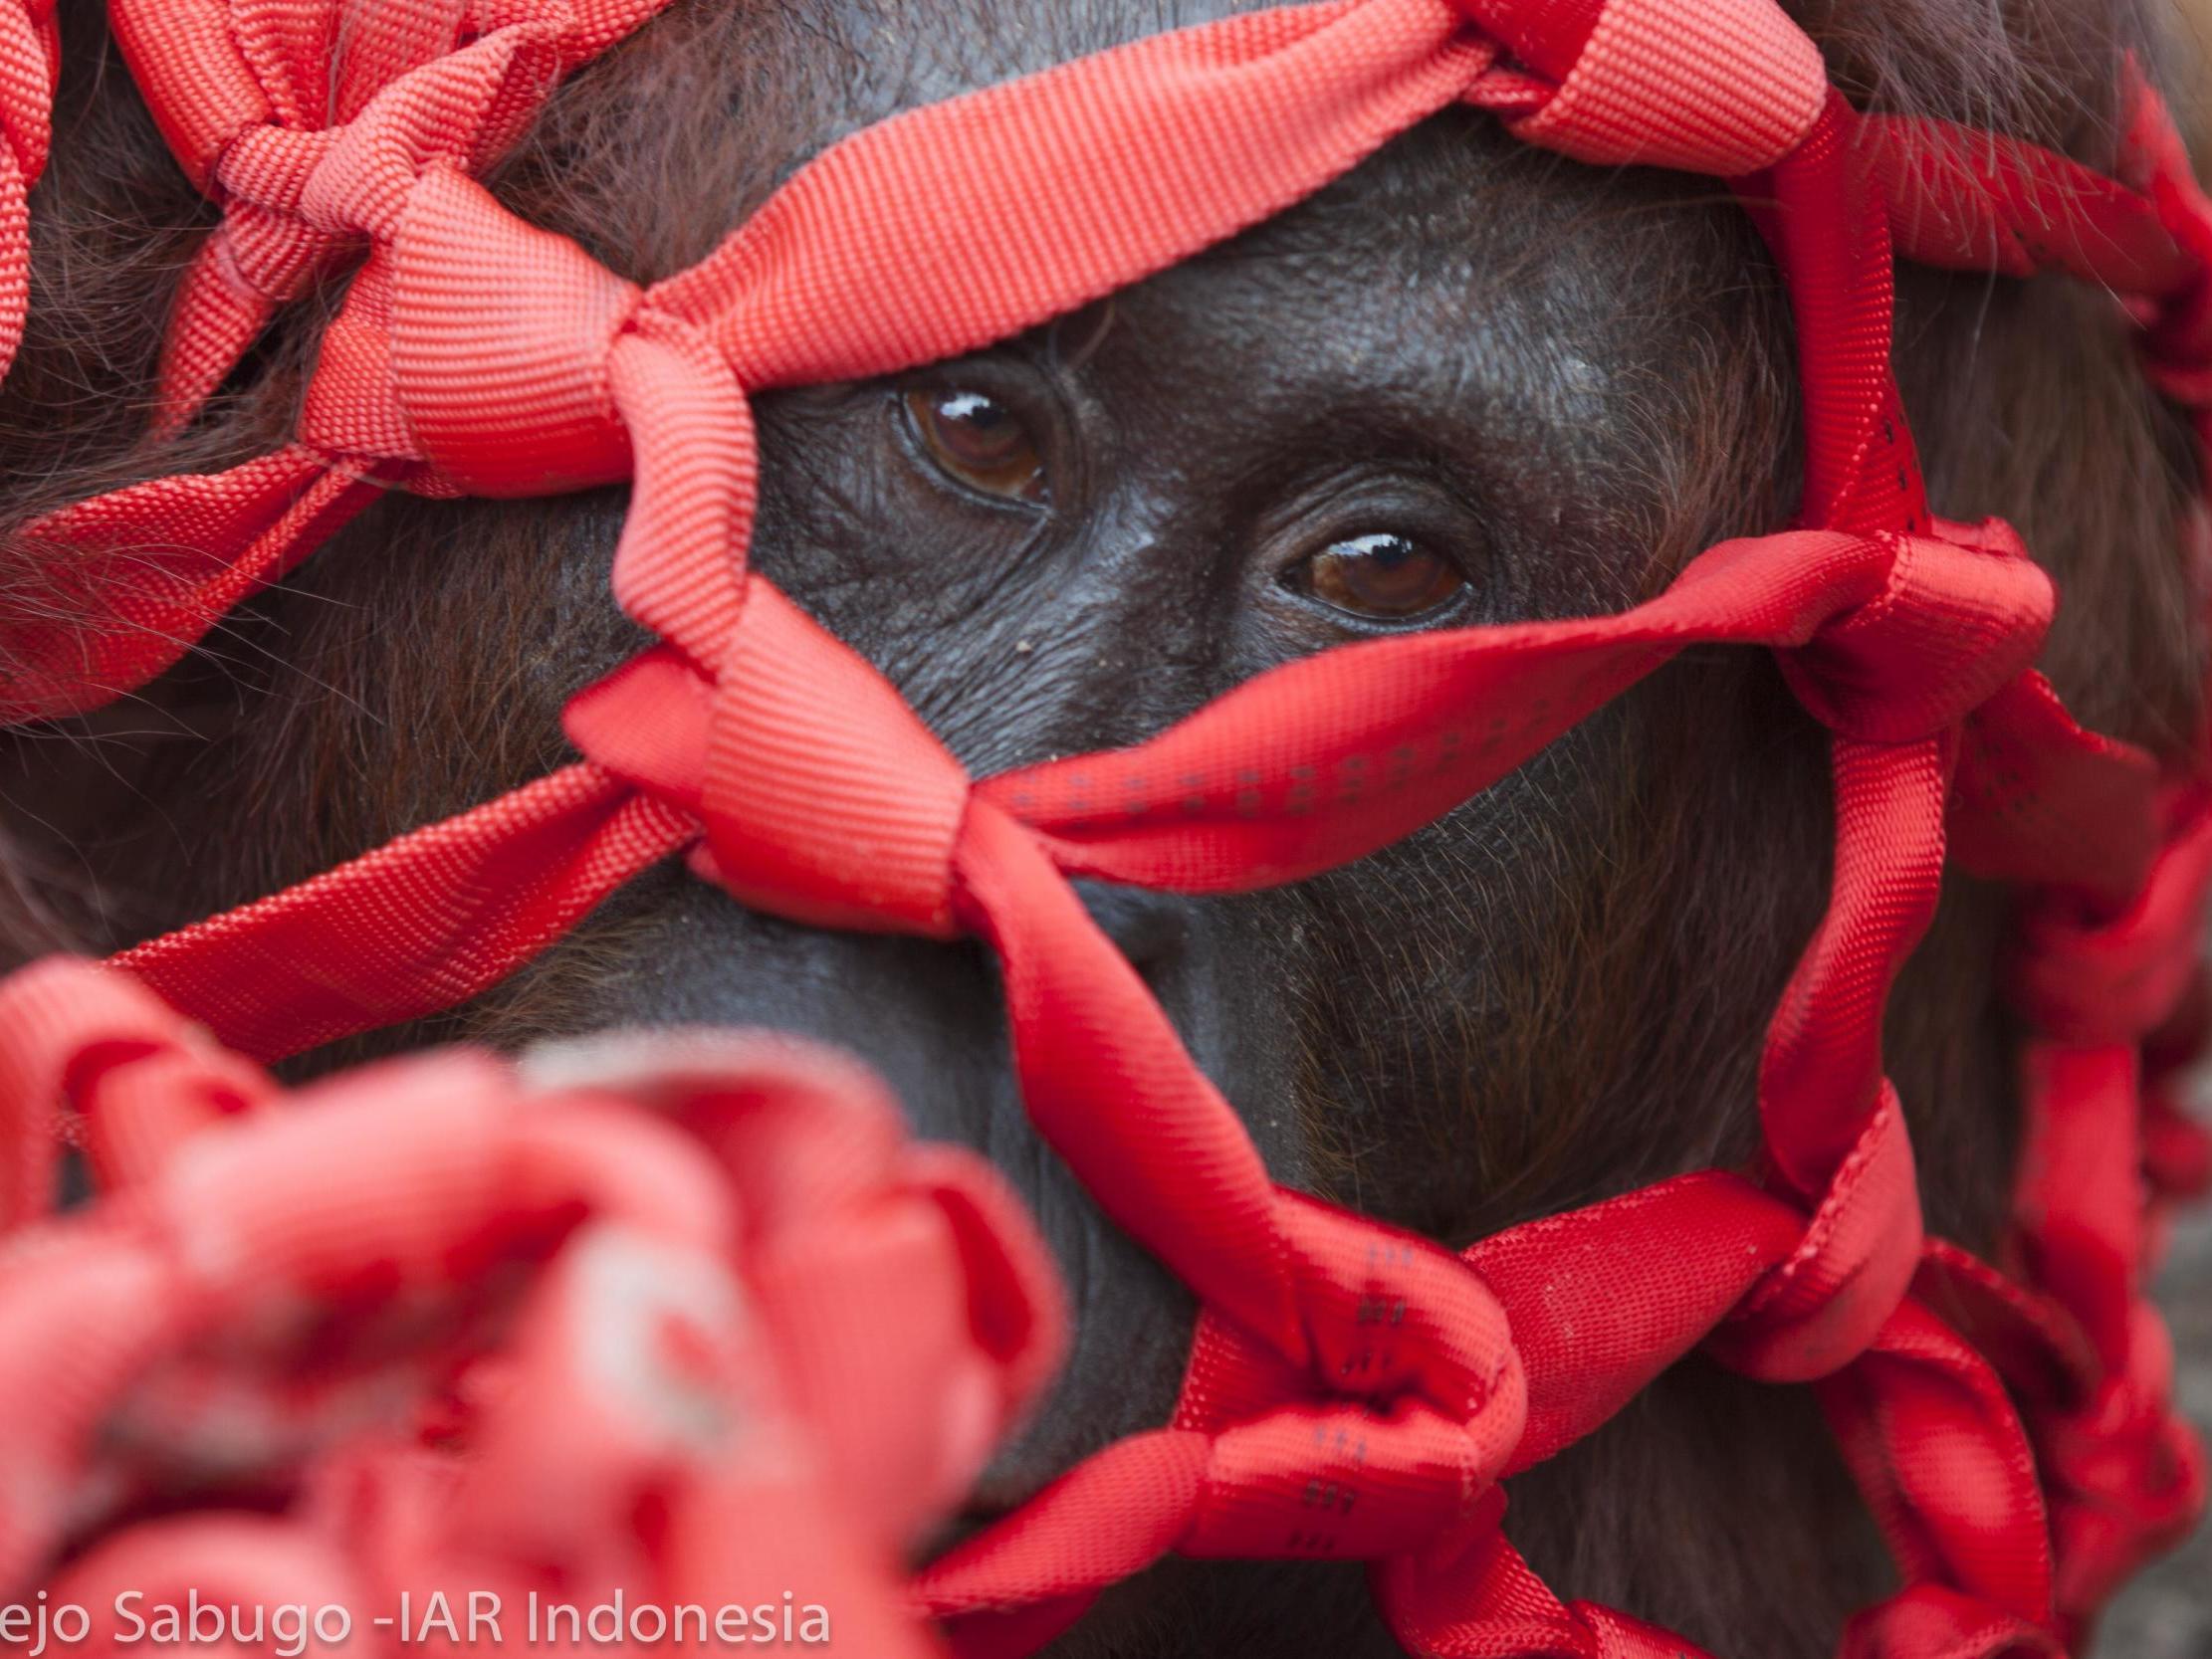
[979, 441]
[1382, 577]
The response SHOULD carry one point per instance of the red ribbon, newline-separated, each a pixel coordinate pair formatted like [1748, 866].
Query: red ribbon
[1353, 1391]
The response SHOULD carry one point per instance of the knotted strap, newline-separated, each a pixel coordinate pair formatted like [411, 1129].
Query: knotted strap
[281, 112]
[716, 1232]
[1599, 1308]
[1416, 1407]
[2127, 1474]
[1263, 109]
[69, 1039]
[1719, 87]
[2117, 979]
[1908, 637]
[909, 845]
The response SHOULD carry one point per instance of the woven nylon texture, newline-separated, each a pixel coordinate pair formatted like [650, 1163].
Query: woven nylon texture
[2012, 1432]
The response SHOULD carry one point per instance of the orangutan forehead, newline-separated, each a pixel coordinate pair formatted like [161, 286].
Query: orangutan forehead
[1490, 305]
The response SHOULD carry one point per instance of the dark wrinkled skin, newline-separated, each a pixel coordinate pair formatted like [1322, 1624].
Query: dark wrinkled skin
[1567, 381]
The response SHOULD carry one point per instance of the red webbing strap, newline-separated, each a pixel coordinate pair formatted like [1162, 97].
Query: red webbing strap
[2178, 325]
[1394, 61]
[2038, 800]
[1294, 772]
[1600, 1302]
[293, 116]
[1546, 36]
[2115, 979]
[2126, 1474]
[646, 1274]
[1213, 1246]
[1110, 1107]
[1935, 1444]
[30, 64]
[257, 97]
[216, 523]
[1258, 1461]
[1233, 121]
[458, 907]
[1303, 769]
[2096, 979]
[844, 810]
[1778, 582]
[1932, 1439]
[2116, 982]
[1821, 1071]
[1723, 87]
[142, 586]
[1851, 678]
[71, 1036]
[1471, 1596]
[1236, 119]
[1976, 201]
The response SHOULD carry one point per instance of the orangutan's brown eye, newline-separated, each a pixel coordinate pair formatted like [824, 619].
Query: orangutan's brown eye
[979, 442]
[1381, 578]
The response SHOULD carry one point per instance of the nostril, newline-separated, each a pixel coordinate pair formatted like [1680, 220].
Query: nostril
[1149, 928]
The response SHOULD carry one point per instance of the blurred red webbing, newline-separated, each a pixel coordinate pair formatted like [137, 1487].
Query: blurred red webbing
[473, 1320]
[2011, 1434]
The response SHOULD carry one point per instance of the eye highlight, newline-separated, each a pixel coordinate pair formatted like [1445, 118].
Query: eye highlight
[978, 443]
[1382, 577]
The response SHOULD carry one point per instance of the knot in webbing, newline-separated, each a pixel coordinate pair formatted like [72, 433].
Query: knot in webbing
[1388, 1314]
[1717, 87]
[1960, 613]
[1390, 1433]
[1356, 1468]
[822, 796]
[128, 1078]
[2125, 1473]
[312, 124]
[1411, 1403]
[2117, 980]
[1353, 1391]
[2176, 320]
[536, 319]
[1933, 1618]
[1819, 1309]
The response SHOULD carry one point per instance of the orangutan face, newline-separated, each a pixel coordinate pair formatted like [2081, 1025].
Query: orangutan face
[1469, 384]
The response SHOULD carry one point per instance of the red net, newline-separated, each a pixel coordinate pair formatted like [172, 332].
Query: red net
[1354, 1391]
